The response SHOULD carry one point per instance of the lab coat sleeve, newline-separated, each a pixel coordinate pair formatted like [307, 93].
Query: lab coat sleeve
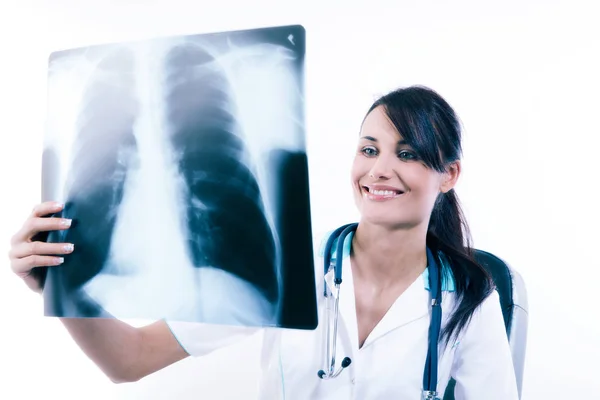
[483, 367]
[235, 309]
[199, 339]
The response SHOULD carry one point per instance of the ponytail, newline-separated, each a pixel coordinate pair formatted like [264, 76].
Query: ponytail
[448, 233]
[447, 222]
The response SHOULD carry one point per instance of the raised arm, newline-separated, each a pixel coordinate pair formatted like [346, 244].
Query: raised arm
[125, 353]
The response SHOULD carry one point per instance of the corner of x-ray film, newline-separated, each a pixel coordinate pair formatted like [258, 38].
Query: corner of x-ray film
[182, 163]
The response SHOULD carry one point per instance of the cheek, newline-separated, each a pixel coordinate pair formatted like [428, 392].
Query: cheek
[357, 171]
[424, 184]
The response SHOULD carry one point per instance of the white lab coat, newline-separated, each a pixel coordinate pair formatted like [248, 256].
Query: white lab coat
[391, 362]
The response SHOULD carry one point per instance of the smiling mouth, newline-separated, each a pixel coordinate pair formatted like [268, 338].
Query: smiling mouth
[381, 194]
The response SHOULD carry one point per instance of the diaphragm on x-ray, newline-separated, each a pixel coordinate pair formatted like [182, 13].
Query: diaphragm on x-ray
[182, 164]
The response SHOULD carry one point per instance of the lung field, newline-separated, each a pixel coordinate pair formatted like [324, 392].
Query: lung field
[226, 222]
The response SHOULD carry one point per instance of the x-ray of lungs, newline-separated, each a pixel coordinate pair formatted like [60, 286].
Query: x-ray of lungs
[182, 163]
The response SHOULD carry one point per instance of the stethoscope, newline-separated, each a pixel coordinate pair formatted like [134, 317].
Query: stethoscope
[430, 373]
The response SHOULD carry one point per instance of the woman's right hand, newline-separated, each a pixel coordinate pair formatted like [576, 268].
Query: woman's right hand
[26, 253]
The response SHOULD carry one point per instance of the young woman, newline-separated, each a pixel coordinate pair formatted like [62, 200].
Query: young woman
[406, 165]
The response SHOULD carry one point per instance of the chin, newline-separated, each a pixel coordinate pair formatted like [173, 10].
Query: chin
[386, 220]
[381, 219]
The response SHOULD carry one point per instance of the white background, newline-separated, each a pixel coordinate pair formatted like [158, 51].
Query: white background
[523, 76]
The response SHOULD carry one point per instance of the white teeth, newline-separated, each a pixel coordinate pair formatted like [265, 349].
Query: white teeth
[383, 192]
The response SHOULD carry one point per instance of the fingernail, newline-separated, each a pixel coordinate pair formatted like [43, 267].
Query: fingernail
[58, 205]
[60, 260]
[69, 247]
[65, 222]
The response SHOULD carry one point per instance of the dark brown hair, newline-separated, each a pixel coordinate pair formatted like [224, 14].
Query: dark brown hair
[430, 126]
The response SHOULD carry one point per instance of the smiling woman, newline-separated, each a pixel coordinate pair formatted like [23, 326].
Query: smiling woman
[406, 166]
[404, 173]
[403, 176]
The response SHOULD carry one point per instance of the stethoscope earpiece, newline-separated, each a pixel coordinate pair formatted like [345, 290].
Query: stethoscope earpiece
[345, 364]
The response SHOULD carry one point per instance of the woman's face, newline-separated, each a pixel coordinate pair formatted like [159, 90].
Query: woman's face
[392, 187]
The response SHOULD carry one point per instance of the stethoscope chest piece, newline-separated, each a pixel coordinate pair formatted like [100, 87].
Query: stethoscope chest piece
[429, 395]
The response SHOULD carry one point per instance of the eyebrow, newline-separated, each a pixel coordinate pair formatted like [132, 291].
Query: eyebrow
[372, 139]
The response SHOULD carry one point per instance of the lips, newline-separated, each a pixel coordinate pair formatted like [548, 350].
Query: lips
[381, 192]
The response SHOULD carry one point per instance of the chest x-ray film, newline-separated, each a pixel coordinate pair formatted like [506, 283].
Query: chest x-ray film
[182, 163]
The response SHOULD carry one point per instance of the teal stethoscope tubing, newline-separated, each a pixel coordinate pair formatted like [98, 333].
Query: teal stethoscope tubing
[431, 363]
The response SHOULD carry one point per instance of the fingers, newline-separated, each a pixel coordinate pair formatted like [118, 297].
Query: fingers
[46, 208]
[26, 249]
[23, 266]
[28, 255]
[35, 225]
[25, 254]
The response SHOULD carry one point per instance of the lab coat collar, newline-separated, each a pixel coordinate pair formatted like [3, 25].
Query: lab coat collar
[411, 305]
[448, 284]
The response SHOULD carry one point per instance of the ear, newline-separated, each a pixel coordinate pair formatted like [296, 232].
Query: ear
[450, 177]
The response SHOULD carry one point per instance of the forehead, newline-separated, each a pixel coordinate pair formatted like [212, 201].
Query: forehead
[377, 125]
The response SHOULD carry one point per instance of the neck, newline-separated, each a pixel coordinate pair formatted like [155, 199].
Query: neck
[387, 257]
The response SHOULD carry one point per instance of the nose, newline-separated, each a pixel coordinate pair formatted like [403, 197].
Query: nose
[382, 167]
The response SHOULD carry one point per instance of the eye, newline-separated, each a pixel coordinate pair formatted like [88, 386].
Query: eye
[369, 151]
[407, 155]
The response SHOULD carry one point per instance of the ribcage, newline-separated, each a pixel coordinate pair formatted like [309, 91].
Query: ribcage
[103, 150]
[225, 214]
